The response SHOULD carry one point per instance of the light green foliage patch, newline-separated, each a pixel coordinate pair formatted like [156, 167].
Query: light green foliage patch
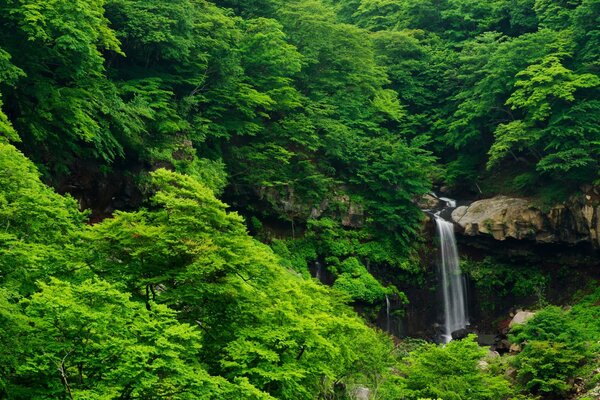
[448, 372]
[173, 301]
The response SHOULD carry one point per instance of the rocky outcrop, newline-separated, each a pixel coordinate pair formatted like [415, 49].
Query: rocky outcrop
[429, 202]
[575, 221]
[360, 393]
[351, 214]
[521, 317]
[339, 206]
[460, 334]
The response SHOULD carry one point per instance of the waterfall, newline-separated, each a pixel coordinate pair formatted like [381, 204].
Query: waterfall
[387, 313]
[318, 270]
[449, 202]
[453, 282]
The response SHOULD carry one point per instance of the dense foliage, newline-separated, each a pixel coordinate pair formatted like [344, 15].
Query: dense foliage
[495, 280]
[281, 105]
[559, 345]
[174, 301]
[496, 84]
[448, 372]
[320, 122]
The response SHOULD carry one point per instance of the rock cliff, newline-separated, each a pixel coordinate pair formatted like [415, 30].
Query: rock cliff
[574, 221]
[339, 205]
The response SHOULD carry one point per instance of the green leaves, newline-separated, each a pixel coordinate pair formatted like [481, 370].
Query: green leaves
[513, 136]
[103, 345]
[541, 83]
[487, 79]
[261, 321]
[300, 118]
[62, 98]
[450, 372]
[9, 74]
[38, 224]
[189, 267]
[284, 99]
[556, 344]
[53, 23]
[561, 142]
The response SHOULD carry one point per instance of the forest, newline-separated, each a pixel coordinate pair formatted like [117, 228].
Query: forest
[225, 199]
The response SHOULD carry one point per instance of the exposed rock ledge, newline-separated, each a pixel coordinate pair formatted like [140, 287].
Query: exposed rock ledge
[338, 205]
[575, 221]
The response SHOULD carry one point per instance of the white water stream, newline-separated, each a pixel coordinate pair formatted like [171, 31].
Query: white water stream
[453, 282]
[387, 313]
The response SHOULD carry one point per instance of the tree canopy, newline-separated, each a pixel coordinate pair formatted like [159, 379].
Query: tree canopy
[172, 170]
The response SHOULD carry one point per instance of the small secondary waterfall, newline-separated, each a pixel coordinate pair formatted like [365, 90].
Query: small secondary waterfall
[318, 270]
[387, 313]
[453, 282]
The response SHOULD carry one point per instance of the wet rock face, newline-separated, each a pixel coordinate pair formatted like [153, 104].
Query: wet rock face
[460, 334]
[502, 217]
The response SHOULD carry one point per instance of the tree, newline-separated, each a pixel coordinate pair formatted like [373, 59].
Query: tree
[89, 340]
[562, 137]
[62, 96]
[556, 344]
[284, 334]
[39, 225]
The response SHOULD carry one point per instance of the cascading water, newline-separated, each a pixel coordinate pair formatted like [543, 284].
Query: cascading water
[453, 282]
[318, 270]
[449, 202]
[387, 313]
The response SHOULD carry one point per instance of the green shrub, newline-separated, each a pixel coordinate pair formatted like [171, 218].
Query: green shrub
[450, 372]
[557, 343]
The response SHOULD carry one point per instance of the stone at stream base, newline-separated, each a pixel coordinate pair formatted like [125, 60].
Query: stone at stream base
[482, 365]
[360, 393]
[486, 339]
[514, 348]
[502, 346]
[460, 334]
[593, 393]
[429, 202]
[503, 326]
[520, 318]
[493, 354]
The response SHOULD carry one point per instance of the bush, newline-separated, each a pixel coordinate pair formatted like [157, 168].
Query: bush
[556, 344]
[450, 372]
